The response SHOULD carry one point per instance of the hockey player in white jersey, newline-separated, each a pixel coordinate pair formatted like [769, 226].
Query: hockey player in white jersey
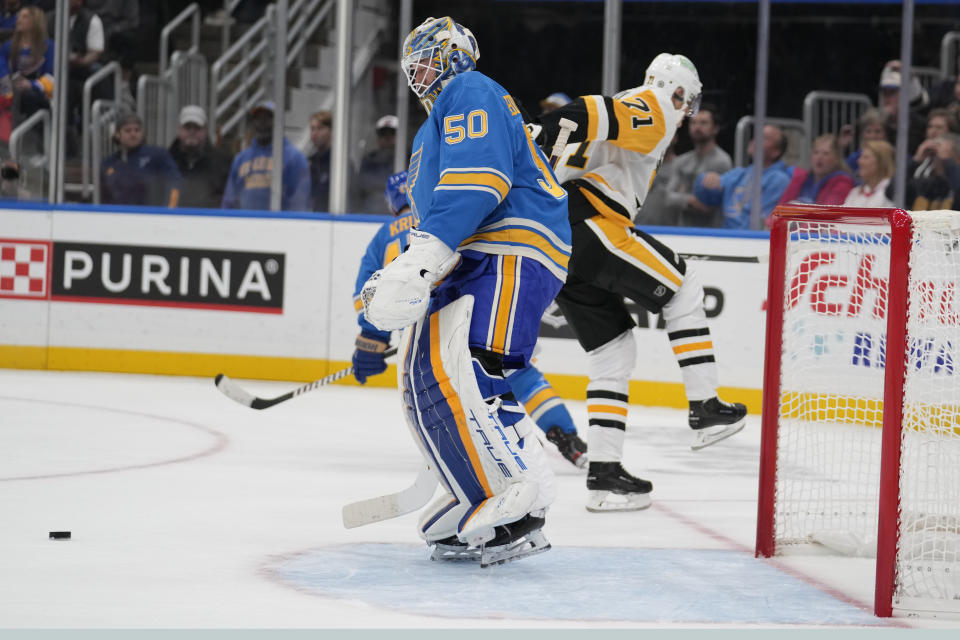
[607, 168]
[488, 255]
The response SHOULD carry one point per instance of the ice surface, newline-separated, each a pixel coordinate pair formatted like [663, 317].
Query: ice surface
[191, 511]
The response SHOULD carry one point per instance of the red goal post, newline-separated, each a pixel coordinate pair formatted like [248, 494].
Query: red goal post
[860, 450]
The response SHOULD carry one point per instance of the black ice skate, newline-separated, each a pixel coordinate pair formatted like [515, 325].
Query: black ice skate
[714, 420]
[569, 445]
[510, 542]
[611, 488]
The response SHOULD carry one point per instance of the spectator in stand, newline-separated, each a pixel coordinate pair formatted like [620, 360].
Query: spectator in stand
[121, 24]
[249, 11]
[732, 190]
[939, 123]
[933, 182]
[8, 21]
[167, 10]
[11, 182]
[876, 170]
[890, 80]
[8, 15]
[248, 186]
[654, 210]
[321, 129]
[121, 20]
[214, 13]
[946, 92]
[682, 207]
[138, 174]
[930, 170]
[554, 101]
[204, 168]
[86, 48]
[26, 65]
[871, 128]
[827, 182]
[953, 102]
[376, 167]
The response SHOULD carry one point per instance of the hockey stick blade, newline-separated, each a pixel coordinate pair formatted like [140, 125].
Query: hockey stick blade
[393, 505]
[233, 391]
[238, 394]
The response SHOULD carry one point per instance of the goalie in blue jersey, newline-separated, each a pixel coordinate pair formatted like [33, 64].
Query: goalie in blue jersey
[528, 384]
[487, 256]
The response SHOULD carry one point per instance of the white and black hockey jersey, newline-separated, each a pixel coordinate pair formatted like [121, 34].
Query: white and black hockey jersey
[617, 148]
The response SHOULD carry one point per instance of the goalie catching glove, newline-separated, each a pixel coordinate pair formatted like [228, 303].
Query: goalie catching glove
[398, 295]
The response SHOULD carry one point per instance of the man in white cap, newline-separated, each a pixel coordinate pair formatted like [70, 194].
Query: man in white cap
[204, 167]
[248, 186]
[375, 167]
[889, 102]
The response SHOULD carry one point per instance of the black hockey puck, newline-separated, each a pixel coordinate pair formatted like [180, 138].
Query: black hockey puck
[59, 535]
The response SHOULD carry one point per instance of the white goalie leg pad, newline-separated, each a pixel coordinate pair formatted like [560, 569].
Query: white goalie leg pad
[508, 506]
[538, 469]
[483, 464]
[407, 338]
[532, 495]
[441, 519]
[689, 334]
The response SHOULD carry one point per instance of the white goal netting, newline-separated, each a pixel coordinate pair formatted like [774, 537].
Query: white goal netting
[832, 398]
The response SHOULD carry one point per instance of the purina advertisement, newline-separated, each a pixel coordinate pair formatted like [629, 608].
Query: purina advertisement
[270, 296]
[168, 276]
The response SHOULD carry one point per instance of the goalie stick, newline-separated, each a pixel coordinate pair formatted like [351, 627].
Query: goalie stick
[237, 393]
[392, 505]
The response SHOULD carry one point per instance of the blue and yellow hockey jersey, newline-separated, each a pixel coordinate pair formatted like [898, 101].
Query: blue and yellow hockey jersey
[479, 183]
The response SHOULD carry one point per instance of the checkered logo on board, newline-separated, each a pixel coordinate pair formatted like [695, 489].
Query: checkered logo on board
[24, 269]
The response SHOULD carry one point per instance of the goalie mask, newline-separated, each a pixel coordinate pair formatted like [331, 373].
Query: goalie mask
[434, 53]
[670, 72]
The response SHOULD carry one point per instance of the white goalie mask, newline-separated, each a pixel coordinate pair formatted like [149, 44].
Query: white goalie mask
[434, 53]
[670, 71]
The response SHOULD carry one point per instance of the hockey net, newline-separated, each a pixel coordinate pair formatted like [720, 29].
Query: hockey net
[861, 416]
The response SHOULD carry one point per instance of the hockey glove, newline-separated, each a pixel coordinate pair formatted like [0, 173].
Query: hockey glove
[398, 295]
[535, 130]
[368, 357]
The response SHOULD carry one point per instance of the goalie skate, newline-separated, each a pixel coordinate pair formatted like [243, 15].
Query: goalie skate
[530, 544]
[714, 420]
[452, 550]
[611, 488]
[512, 541]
